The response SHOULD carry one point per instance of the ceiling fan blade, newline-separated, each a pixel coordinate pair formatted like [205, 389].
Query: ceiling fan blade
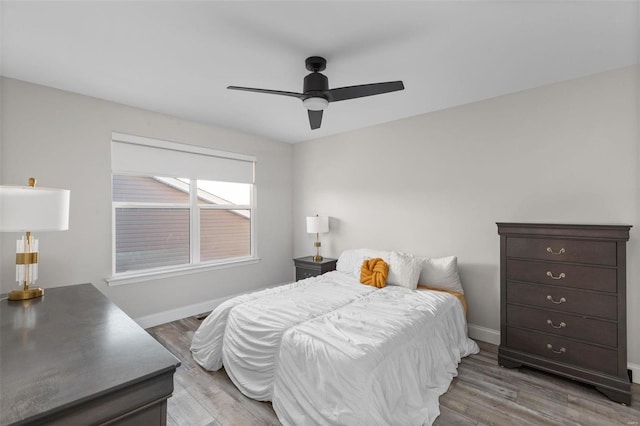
[315, 119]
[352, 92]
[270, 92]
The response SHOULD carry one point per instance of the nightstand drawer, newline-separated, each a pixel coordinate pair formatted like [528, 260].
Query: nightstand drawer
[584, 277]
[563, 299]
[302, 273]
[593, 252]
[563, 350]
[563, 324]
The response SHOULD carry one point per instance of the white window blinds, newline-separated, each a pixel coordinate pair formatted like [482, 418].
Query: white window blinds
[143, 156]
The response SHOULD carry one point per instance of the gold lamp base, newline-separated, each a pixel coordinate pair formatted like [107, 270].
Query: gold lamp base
[317, 257]
[30, 293]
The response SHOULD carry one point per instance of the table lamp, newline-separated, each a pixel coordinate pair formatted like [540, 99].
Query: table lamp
[27, 209]
[317, 225]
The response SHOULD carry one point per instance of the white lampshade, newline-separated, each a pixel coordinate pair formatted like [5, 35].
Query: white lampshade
[25, 208]
[317, 224]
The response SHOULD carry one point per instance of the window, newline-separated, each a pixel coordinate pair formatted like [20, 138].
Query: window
[178, 207]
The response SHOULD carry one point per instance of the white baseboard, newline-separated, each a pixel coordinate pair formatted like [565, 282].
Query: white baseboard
[489, 335]
[476, 332]
[179, 313]
[484, 334]
[635, 371]
[187, 311]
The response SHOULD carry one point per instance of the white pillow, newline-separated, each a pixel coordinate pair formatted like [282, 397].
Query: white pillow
[441, 273]
[404, 270]
[350, 261]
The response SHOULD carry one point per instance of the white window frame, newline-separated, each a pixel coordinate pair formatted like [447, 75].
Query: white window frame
[195, 265]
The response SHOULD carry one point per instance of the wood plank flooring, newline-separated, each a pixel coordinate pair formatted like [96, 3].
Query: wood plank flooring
[482, 394]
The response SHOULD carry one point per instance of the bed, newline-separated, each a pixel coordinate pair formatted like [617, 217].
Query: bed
[329, 350]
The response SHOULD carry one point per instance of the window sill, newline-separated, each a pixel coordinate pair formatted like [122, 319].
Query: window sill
[135, 277]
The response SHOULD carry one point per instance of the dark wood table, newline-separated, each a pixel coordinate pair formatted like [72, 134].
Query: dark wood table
[72, 357]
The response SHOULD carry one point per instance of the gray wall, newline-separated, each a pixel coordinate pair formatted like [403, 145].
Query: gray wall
[63, 140]
[435, 184]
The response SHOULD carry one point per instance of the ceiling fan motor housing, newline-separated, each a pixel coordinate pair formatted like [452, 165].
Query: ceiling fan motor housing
[315, 84]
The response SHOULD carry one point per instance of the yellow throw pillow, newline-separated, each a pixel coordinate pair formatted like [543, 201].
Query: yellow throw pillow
[374, 272]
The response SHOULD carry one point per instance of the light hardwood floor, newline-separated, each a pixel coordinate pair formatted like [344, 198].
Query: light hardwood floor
[482, 394]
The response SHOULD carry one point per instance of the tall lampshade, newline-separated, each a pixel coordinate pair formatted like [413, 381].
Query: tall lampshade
[317, 225]
[27, 209]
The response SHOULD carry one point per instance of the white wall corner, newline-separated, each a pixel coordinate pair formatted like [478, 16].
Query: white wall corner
[484, 334]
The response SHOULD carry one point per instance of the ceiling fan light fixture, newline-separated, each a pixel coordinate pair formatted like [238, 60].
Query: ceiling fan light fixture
[315, 103]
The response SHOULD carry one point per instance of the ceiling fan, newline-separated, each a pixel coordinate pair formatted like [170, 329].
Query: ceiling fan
[316, 94]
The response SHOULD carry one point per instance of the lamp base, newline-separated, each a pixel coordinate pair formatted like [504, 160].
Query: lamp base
[317, 258]
[30, 293]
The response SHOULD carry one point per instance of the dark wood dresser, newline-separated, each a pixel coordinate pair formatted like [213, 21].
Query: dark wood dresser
[306, 267]
[72, 357]
[563, 302]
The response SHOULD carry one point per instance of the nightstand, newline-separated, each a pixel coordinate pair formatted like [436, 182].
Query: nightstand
[306, 267]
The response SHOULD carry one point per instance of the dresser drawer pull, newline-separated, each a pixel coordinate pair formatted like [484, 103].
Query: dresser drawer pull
[562, 300]
[562, 324]
[561, 351]
[559, 277]
[550, 250]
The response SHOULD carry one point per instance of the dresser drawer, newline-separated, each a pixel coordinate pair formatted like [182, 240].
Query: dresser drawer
[563, 324]
[593, 252]
[563, 350]
[584, 277]
[563, 299]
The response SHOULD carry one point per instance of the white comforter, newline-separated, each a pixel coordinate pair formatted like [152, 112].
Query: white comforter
[328, 350]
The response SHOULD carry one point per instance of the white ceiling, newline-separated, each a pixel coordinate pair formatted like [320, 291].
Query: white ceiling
[177, 57]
